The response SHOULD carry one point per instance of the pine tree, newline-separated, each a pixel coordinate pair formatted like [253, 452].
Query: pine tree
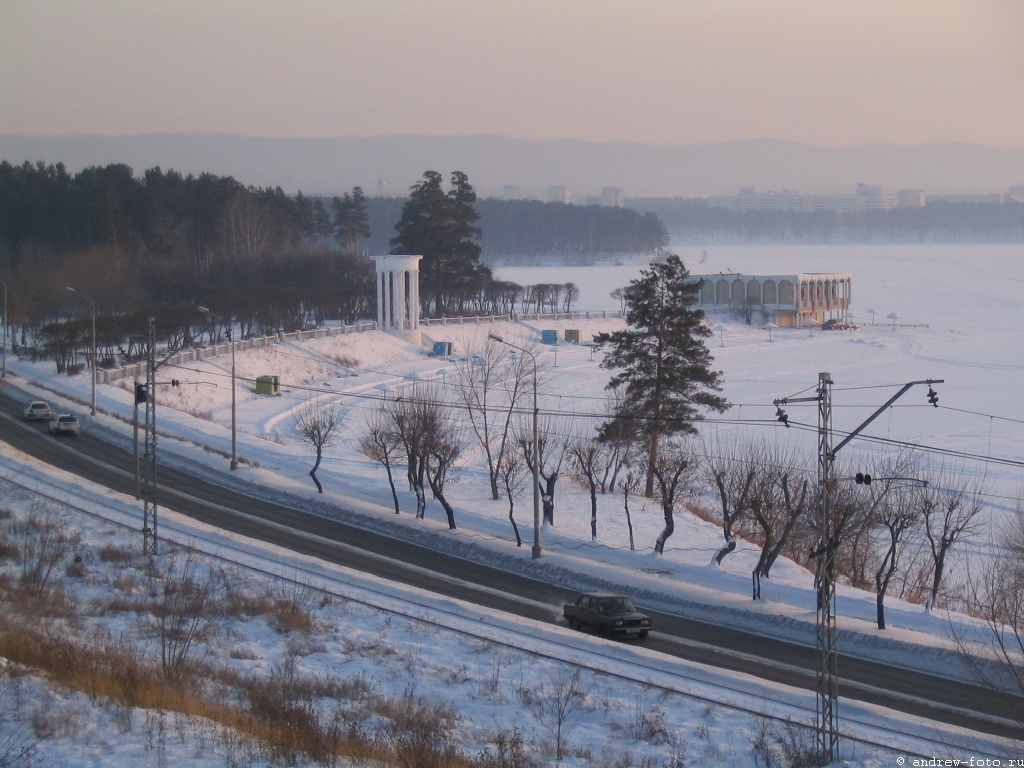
[661, 358]
[441, 227]
[350, 220]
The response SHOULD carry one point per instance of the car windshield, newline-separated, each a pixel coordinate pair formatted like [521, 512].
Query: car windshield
[613, 604]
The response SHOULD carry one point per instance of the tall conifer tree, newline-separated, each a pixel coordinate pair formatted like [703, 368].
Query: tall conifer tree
[661, 358]
[441, 227]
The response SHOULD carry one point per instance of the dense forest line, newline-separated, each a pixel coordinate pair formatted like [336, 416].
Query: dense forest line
[163, 244]
[694, 220]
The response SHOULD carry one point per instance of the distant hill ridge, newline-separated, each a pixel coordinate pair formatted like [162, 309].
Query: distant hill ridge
[391, 164]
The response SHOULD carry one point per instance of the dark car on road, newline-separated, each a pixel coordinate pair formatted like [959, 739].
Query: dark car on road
[607, 614]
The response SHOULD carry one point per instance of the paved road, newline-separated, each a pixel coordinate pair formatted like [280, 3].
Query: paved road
[217, 503]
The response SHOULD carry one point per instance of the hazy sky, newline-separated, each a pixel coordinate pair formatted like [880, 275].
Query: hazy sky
[828, 72]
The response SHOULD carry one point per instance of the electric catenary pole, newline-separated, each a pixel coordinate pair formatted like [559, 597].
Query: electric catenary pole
[828, 542]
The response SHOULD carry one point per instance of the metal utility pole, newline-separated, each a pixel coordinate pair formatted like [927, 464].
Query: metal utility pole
[828, 541]
[150, 540]
[828, 673]
[538, 549]
[4, 374]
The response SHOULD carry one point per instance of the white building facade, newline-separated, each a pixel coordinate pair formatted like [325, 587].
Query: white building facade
[786, 300]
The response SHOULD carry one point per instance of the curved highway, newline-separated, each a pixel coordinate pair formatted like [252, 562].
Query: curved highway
[99, 461]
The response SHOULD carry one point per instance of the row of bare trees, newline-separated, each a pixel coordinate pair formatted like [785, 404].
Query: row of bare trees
[894, 535]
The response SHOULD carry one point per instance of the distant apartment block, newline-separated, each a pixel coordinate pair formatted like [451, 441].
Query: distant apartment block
[910, 198]
[786, 300]
[560, 195]
[513, 192]
[968, 199]
[866, 198]
[613, 197]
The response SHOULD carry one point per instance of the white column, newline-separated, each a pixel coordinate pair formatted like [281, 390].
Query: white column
[380, 300]
[402, 316]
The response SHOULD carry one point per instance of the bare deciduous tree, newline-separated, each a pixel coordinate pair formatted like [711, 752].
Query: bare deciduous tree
[551, 439]
[512, 474]
[674, 467]
[950, 507]
[630, 486]
[379, 443]
[589, 460]
[556, 703]
[733, 473]
[493, 384]
[777, 522]
[443, 450]
[898, 512]
[318, 425]
[780, 496]
[422, 424]
[995, 593]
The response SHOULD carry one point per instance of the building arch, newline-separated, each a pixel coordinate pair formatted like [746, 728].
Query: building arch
[787, 295]
[737, 292]
[754, 291]
[707, 292]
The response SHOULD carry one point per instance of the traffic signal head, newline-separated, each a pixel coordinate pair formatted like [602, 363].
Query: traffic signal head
[141, 393]
[933, 397]
[862, 479]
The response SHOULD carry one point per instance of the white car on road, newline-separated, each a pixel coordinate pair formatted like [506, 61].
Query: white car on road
[37, 409]
[65, 424]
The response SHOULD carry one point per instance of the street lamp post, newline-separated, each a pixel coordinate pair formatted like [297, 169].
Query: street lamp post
[538, 551]
[234, 413]
[93, 303]
[4, 374]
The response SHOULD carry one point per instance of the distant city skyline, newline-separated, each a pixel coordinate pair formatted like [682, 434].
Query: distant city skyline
[829, 74]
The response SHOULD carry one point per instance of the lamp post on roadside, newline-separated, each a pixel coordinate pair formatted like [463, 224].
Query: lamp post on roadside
[538, 551]
[93, 303]
[4, 374]
[234, 419]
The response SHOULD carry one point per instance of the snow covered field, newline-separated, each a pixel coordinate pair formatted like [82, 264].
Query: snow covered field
[960, 313]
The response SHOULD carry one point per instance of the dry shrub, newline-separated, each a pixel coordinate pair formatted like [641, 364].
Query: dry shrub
[115, 555]
[344, 361]
[419, 732]
[8, 549]
[294, 602]
[44, 541]
[506, 752]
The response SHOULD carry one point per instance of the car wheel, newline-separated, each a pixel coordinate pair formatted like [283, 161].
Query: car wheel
[643, 634]
[574, 625]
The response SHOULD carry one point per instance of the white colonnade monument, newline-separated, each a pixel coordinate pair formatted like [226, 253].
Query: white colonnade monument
[398, 295]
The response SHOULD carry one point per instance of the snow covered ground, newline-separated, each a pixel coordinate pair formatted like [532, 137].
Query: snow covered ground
[960, 313]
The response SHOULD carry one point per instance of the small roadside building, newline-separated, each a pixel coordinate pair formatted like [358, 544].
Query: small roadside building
[786, 300]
